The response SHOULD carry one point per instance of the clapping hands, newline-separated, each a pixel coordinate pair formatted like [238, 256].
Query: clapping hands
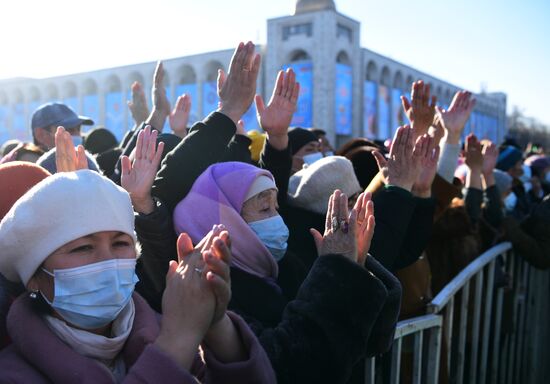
[197, 293]
[276, 117]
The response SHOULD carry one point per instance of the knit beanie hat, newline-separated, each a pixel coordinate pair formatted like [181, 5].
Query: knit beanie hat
[258, 140]
[16, 178]
[508, 157]
[538, 164]
[99, 140]
[47, 161]
[311, 187]
[298, 137]
[56, 211]
[503, 181]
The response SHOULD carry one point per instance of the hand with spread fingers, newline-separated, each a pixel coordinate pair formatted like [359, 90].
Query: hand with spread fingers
[403, 165]
[138, 105]
[340, 229]
[429, 156]
[138, 175]
[236, 90]
[365, 225]
[454, 119]
[276, 117]
[420, 109]
[179, 117]
[67, 157]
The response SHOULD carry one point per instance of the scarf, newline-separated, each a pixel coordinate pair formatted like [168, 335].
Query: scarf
[106, 350]
[217, 197]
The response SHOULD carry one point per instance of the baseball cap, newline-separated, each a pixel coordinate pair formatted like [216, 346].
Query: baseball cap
[57, 114]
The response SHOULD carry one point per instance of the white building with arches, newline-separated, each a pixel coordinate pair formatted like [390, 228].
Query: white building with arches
[347, 90]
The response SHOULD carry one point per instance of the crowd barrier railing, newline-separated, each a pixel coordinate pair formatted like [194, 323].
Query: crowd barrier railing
[466, 326]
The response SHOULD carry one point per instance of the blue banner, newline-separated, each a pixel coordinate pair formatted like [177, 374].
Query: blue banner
[114, 114]
[191, 90]
[250, 119]
[370, 96]
[384, 103]
[343, 99]
[303, 117]
[19, 127]
[209, 98]
[5, 133]
[397, 113]
[90, 108]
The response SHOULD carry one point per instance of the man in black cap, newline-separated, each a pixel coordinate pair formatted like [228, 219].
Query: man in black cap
[48, 117]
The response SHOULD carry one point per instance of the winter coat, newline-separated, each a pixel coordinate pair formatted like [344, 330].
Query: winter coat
[37, 355]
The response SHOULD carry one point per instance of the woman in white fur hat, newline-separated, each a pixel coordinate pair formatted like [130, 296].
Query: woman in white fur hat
[70, 241]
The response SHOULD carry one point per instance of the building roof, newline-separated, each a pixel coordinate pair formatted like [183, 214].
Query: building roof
[303, 6]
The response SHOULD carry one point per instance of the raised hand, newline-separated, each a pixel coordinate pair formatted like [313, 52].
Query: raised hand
[340, 228]
[138, 176]
[179, 117]
[161, 105]
[217, 260]
[474, 157]
[236, 89]
[67, 157]
[138, 105]
[454, 119]
[420, 109]
[429, 151]
[403, 166]
[365, 225]
[188, 303]
[474, 161]
[490, 158]
[276, 117]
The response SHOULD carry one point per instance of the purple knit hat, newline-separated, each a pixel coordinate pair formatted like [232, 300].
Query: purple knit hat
[217, 197]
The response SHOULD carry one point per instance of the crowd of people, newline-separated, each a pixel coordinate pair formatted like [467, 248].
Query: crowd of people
[222, 256]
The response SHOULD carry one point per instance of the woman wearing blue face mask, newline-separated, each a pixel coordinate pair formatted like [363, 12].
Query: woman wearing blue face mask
[314, 326]
[70, 241]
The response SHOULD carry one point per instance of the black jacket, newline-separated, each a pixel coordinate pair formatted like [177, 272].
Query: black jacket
[341, 313]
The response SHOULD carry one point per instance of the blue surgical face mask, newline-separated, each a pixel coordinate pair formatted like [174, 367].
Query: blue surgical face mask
[328, 153]
[273, 233]
[77, 140]
[510, 201]
[312, 158]
[93, 295]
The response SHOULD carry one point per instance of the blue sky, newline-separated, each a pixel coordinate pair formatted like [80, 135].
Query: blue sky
[504, 44]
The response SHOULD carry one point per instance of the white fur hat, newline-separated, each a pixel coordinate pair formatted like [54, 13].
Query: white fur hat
[311, 187]
[56, 211]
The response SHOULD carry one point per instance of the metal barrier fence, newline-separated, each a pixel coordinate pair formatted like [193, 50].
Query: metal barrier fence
[476, 328]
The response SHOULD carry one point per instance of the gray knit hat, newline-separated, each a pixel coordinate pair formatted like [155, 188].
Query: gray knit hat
[311, 187]
[503, 181]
